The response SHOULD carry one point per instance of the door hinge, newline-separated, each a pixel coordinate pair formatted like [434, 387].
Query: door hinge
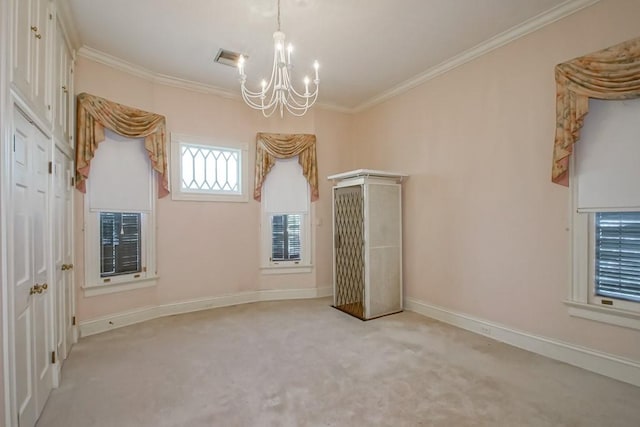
[50, 168]
[53, 357]
[73, 320]
[50, 17]
[73, 181]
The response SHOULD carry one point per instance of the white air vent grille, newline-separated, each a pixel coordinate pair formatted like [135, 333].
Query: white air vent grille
[227, 57]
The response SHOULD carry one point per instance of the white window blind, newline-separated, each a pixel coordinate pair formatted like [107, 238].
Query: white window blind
[286, 242]
[120, 243]
[121, 178]
[606, 157]
[617, 255]
[285, 189]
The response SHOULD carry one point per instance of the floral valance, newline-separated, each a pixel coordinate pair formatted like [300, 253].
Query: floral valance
[95, 114]
[612, 73]
[272, 146]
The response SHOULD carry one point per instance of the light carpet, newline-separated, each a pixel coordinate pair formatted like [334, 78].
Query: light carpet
[303, 363]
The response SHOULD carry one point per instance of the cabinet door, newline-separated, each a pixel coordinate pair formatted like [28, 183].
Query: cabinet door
[60, 86]
[22, 46]
[41, 21]
[29, 69]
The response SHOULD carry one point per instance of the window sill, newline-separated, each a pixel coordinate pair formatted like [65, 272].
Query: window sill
[111, 288]
[613, 316]
[287, 269]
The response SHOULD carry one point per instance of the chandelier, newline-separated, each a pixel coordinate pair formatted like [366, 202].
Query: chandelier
[279, 93]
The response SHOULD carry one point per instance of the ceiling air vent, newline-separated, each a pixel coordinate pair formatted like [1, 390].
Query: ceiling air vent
[227, 57]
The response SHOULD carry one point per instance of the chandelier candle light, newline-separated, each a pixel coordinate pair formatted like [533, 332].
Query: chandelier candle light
[279, 92]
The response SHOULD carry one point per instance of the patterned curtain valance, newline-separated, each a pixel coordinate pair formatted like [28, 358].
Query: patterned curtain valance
[612, 73]
[95, 113]
[272, 146]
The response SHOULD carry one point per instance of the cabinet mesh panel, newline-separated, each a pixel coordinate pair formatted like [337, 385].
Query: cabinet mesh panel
[349, 223]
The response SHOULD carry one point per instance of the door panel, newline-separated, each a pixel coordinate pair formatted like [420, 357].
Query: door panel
[23, 272]
[22, 45]
[62, 252]
[29, 246]
[42, 301]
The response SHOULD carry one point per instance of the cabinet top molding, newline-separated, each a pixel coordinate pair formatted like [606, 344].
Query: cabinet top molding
[368, 173]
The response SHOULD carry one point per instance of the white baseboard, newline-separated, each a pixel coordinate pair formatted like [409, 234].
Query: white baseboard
[118, 320]
[602, 363]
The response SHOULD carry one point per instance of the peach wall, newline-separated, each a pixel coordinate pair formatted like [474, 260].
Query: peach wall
[208, 249]
[485, 230]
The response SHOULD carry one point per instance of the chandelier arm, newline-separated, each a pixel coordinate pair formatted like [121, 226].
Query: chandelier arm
[296, 104]
[293, 89]
[266, 112]
[299, 95]
[250, 93]
[266, 89]
[298, 107]
[303, 101]
[252, 101]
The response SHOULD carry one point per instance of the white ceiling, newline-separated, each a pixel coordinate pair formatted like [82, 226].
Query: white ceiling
[366, 48]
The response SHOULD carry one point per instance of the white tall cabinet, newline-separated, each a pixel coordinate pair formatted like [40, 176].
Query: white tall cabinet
[367, 226]
[36, 131]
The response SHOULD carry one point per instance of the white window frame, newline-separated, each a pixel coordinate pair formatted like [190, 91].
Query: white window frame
[96, 285]
[177, 193]
[305, 264]
[582, 301]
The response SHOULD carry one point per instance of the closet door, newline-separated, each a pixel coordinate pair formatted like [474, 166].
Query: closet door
[348, 225]
[62, 252]
[30, 261]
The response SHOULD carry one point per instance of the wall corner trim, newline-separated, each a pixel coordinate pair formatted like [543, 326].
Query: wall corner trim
[131, 317]
[615, 367]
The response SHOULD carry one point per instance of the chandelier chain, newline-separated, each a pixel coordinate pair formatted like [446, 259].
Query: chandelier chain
[278, 15]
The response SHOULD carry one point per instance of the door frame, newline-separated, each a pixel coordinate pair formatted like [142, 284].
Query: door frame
[5, 131]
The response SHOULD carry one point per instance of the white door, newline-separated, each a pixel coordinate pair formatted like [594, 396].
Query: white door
[30, 257]
[62, 262]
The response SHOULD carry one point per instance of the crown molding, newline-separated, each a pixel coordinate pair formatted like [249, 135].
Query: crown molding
[561, 11]
[138, 71]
